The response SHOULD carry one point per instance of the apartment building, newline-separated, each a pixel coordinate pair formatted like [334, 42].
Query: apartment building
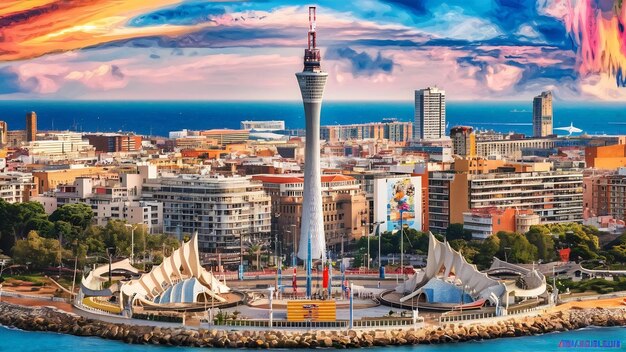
[554, 195]
[345, 208]
[390, 129]
[224, 211]
[110, 199]
[17, 187]
[512, 148]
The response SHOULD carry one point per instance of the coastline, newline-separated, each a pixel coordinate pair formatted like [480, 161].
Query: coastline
[54, 320]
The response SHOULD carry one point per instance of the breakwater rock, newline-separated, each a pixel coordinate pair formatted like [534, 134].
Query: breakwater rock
[49, 319]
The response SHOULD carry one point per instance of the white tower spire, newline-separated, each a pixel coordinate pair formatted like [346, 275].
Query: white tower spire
[312, 81]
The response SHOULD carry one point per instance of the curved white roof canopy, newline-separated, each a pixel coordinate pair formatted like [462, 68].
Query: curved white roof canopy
[183, 264]
[441, 257]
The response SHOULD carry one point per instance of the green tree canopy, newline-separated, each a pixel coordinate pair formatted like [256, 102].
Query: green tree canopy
[517, 248]
[456, 232]
[38, 252]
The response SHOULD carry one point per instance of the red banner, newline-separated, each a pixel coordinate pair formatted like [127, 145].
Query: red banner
[325, 277]
[564, 254]
[294, 281]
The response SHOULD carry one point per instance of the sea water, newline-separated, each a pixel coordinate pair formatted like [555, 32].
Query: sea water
[160, 117]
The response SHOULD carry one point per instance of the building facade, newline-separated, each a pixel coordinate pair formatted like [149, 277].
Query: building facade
[17, 187]
[224, 211]
[606, 157]
[555, 196]
[391, 130]
[271, 125]
[512, 148]
[430, 114]
[114, 142]
[4, 134]
[31, 126]
[542, 115]
[110, 199]
[345, 210]
[463, 141]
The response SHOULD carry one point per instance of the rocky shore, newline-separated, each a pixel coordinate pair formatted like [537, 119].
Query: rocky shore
[49, 319]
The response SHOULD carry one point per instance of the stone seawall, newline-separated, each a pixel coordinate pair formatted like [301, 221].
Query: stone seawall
[49, 319]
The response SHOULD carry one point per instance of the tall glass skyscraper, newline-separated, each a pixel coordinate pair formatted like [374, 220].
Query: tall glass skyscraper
[312, 81]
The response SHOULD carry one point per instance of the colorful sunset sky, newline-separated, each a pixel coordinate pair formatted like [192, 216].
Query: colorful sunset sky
[372, 49]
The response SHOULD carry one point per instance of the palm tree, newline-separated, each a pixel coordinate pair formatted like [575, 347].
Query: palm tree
[255, 249]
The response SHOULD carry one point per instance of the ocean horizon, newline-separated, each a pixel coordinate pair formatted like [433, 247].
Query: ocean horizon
[160, 117]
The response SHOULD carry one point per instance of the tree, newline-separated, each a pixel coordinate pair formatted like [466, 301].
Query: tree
[16, 220]
[517, 247]
[487, 251]
[456, 232]
[255, 249]
[77, 214]
[541, 238]
[38, 252]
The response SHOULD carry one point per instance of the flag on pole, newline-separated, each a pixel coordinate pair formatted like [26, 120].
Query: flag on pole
[325, 277]
[330, 278]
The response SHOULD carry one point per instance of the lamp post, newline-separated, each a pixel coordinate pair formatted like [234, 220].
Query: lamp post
[376, 230]
[132, 242]
[110, 253]
[276, 216]
[402, 243]
[294, 260]
[1, 282]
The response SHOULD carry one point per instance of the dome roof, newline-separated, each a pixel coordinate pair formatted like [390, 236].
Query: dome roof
[185, 291]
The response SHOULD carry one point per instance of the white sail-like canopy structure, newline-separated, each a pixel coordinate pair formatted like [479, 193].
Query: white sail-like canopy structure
[183, 264]
[442, 258]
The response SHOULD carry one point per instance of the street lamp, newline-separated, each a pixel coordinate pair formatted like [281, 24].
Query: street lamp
[276, 216]
[1, 281]
[401, 243]
[110, 253]
[132, 242]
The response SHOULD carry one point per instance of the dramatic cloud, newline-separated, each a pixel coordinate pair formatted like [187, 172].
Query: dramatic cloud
[502, 49]
[362, 63]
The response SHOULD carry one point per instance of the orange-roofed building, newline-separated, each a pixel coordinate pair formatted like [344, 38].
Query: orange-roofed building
[345, 210]
[606, 157]
[484, 222]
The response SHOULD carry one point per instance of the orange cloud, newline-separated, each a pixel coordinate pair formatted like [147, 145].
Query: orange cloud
[37, 27]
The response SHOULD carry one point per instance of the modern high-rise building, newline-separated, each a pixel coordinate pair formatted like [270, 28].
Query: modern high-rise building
[463, 140]
[430, 114]
[4, 133]
[542, 114]
[31, 126]
[312, 81]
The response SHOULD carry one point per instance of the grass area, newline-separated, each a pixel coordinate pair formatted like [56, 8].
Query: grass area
[35, 279]
[598, 285]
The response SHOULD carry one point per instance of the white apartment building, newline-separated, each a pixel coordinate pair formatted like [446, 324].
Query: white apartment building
[109, 200]
[512, 148]
[223, 210]
[17, 187]
[430, 114]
